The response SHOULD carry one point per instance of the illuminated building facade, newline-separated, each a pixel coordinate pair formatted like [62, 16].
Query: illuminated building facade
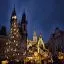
[32, 45]
[35, 38]
[35, 45]
[18, 47]
[37, 51]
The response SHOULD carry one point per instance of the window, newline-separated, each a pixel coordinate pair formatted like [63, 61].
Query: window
[14, 41]
[12, 36]
[17, 30]
[15, 33]
[18, 53]
[14, 29]
[7, 50]
[15, 50]
[11, 49]
[6, 43]
[13, 54]
[16, 44]
[9, 46]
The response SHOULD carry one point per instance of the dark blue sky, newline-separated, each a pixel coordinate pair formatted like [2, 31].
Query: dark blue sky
[42, 15]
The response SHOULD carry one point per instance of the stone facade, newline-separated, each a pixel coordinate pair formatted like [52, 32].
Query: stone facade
[56, 41]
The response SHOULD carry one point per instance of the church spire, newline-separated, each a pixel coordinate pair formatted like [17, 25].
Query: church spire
[24, 18]
[34, 37]
[24, 15]
[23, 32]
[14, 12]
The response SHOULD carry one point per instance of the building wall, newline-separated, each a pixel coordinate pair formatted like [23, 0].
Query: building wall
[3, 40]
[56, 42]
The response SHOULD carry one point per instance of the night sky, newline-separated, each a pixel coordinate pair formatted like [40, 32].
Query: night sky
[42, 15]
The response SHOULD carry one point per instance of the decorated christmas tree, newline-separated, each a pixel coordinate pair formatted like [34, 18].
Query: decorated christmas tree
[13, 46]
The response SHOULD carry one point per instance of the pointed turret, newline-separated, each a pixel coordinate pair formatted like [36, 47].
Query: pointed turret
[24, 26]
[14, 12]
[23, 32]
[13, 16]
[34, 37]
[40, 43]
[40, 35]
[24, 18]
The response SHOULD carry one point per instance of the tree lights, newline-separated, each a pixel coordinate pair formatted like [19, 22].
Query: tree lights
[13, 46]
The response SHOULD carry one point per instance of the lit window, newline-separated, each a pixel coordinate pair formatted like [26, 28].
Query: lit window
[7, 43]
[7, 57]
[9, 46]
[13, 54]
[11, 49]
[18, 53]
[15, 50]
[11, 29]
[16, 44]
[12, 36]
[14, 25]
[14, 40]
[7, 50]
[17, 30]
[14, 29]
[24, 53]
[15, 33]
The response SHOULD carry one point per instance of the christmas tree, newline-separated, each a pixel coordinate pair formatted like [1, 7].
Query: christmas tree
[13, 46]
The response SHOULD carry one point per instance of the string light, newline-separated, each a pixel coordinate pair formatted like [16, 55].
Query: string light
[16, 44]
[14, 40]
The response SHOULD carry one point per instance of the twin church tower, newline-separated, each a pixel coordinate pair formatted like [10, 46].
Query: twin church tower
[16, 46]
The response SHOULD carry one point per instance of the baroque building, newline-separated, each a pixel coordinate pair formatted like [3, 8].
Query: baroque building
[19, 48]
[35, 45]
[32, 44]
[37, 50]
[56, 42]
[35, 38]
